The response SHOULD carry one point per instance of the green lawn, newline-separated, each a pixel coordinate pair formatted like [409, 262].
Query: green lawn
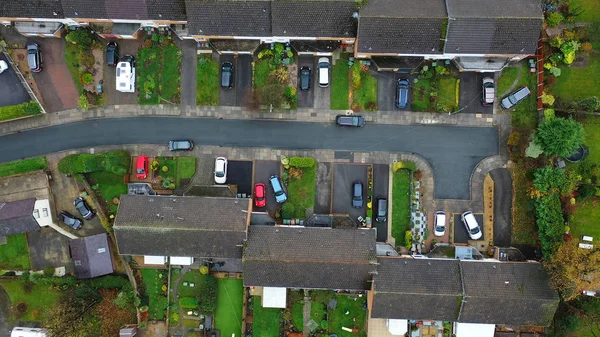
[39, 301]
[447, 92]
[192, 276]
[400, 205]
[71, 58]
[207, 81]
[15, 253]
[170, 80]
[578, 83]
[301, 192]
[111, 186]
[228, 318]
[420, 95]
[298, 315]
[586, 218]
[31, 108]
[261, 73]
[156, 297]
[267, 321]
[507, 78]
[339, 84]
[591, 10]
[23, 166]
[355, 318]
[186, 167]
[525, 113]
[366, 95]
[148, 71]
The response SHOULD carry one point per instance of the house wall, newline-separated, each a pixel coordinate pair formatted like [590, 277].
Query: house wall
[42, 212]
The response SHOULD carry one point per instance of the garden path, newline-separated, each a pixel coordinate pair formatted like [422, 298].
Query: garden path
[175, 288]
[306, 314]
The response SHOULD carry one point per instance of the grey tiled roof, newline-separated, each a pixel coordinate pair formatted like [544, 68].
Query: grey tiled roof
[404, 9]
[313, 18]
[309, 257]
[495, 9]
[522, 290]
[399, 35]
[16, 217]
[181, 226]
[432, 287]
[31, 9]
[91, 256]
[131, 9]
[229, 17]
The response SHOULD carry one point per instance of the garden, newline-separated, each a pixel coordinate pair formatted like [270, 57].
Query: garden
[84, 58]
[196, 295]
[300, 176]
[14, 255]
[159, 70]
[230, 298]
[401, 183]
[27, 109]
[207, 81]
[274, 79]
[364, 88]
[172, 172]
[155, 292]
[266, 322]
[23, 166]
[436, 88]
[340, 84]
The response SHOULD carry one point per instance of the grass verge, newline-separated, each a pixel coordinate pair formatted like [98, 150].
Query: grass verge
[447, 93]
[14, 255]
[400, 205]
[156, 297]
[228, 317]
[111, 186]
[186, 167]
[207, 81]
[339, 84]
[23, 166]
[366, 95]
[31, 108]
[577, 83]
[170, 79]
[261, 73]
[301, 192]
[39, 301]
[267, 321]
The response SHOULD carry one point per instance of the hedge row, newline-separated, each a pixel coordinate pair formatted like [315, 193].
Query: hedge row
[302, 162]
[116, 162]
[30, 108]
[408, 165]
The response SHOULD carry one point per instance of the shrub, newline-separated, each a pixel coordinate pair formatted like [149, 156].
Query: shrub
[356, 76]
[586, 190]
[554, 19]
[556, 41]
[83, 103]
[514, 138]
[203, 270]
[590, 104]
[30, 108]
[408, 236]
[547, 99]
[188, 303]
[302, 162]
[569, 34]
[19, 309]
[371, 106]
[586, 46]
[408, 165]
[109, 282]
[86, 59]
[208, 298]
[548, 114]
[162, 303]
[87, 78]
[556, 72]
[165, 169]
[49, 271]
[117, 162]
[81, 37]
[533, 150]
[295, 173]
[288, 210]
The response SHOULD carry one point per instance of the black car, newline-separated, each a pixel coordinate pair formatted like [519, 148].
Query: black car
[227, 75]
[402, 93]
[381, 210]
[181, 145]
[351, 120]
[34, 57]
[129, 59]
[304, 78]
[112, 54]
[83, 208]
[357, 194]
[69, 220]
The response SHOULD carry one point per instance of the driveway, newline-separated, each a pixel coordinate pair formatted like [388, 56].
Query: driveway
[4, 313]
[381, 175]
[228, 96]
[12, 91]
[386, 90]
[471, 93]
[460, 231]
[323, 189]
[502, 206]
[54, 81]
[114, 97]
[343, 177]
[189, 63]
[243, 78]
[263, 170]
[48, 248]
[305, 97]
[321, 95]
[239, 172]
[452, 151]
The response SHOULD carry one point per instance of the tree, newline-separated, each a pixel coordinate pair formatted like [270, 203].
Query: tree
[81, 37]
[554, 19]
[559, 136]
[271, 95]
[68, 315]
[207, 300]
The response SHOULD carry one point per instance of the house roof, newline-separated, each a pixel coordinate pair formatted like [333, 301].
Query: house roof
[181, 226]
[495, 9]
[173, 10]
[229, 17]
[91, 256]
[520, 293]
[31, 9]
[404, 9]
[313, 18]
[16, 217]
[433, 287]
[399, 35]
[308, 257]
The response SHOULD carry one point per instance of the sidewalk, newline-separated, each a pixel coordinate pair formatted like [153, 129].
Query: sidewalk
[232, 112]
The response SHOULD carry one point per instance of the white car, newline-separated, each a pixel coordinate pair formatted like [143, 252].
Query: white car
[126, 74]
[472, 226]
[221, 170]
[439, 224]
[324, 72]
[3, 66]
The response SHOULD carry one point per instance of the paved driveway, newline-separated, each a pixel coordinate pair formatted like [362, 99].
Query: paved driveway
[189, 63]
[452, 151]
[243, 78]
[386, 90]
[343, 177]
[54, 81]
[47, 248]
[323, 189]
[12, 91]
[228, 96]
[321, 95]
[263, 170]
[114, 97]
[502, 206]
[460, 231]
[239, 172]
[305, 97]
[381, 175]
[471, 93]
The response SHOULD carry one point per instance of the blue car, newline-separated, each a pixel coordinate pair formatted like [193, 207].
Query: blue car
[280, 195]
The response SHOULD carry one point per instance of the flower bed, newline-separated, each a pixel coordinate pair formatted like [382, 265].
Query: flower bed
[274, 80]
[159, 71]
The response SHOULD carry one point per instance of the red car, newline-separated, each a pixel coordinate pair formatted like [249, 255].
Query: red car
[141, 168]
[260, 195]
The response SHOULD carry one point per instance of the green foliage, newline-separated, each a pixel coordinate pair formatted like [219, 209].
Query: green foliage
[23, 166]
[82, 37]
[15, 253]
[554, 19]
[301, 192]
[83, 103]
[533, 150]
[549, 180]
[207, 300]
[547, 99]
[188, 303]
[9, 112]
[441, 70]
[302, 162]
[559, 136]
[586, 190]
[271, 95]
[48, 271]
[356, 76]
[590, 104]
[556, 41]
[555, 71]
[125, 298]
[549, 113]
[86, 59]
[401, 181]
[288, 210]
[116, 162]
[207, 81]
[339, 84]
[408, 165]
[408, 236]
[109, 282]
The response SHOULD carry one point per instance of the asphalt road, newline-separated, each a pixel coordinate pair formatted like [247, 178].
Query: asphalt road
[451, 151]
[12, 92]
[502, 206]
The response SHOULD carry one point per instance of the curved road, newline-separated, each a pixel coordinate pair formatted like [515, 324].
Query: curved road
[451, 151]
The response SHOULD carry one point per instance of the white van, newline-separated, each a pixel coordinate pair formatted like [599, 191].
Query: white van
[324, 72]
[126, 74]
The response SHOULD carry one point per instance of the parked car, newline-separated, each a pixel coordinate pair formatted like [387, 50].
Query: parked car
[227, 75]
[472, 226]
[305, 78]
[515, 98]
[141, 167]
[112, 54]
[126, 74]
[34, 57]
[381, 210]
[352, 120]
[324, 72]
[220, 170]
[402, 93]
[180, 145]
[278, 190]
[260, 195]
[357, 194]
[69, 220]
[83, 208]
[439, 223]
[3, 66]
[488, 91]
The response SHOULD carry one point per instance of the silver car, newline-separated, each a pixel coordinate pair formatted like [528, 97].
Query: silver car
[516, 97]
[488, 91]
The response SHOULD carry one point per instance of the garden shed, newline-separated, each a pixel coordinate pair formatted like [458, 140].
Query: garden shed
[274, 297]
[474, 330]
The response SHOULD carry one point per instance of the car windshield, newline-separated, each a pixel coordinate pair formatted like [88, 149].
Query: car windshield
[488, 84]
[355, 120]
[220, 174]
[512, 99]
[439, 228]
[140, 170]
[475, 230]
[278, 193]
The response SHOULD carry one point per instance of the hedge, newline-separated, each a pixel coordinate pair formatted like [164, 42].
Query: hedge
[302, 162]
[408, 165]
[188, 303]
[30, 108]
[116, 162]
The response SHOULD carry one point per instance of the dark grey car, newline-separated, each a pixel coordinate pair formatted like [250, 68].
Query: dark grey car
[350, 120]
[357, 194]
[402, 93]
[69, 220]
[83, 208]
[305, 78]
[112, 54]
[34, 57]
[227, 75]
[515, 97]
[181, 145]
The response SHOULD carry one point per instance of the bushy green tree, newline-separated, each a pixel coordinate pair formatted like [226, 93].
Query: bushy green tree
[559, 136]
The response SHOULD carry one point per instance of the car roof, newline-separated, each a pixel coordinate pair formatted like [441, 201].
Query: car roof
[471, 221]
